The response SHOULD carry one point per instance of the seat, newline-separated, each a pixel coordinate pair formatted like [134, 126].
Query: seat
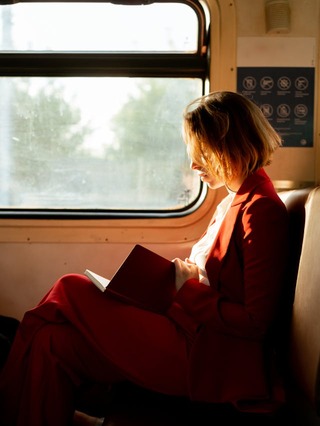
[305, 325]
[295, 200]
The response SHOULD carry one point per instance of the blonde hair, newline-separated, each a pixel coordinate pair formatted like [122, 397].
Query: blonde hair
[229, 135]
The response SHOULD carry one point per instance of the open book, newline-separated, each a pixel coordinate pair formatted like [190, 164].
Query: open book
[145, 279]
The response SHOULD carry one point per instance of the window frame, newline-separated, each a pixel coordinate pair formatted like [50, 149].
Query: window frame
[111, 64]
[146, 64]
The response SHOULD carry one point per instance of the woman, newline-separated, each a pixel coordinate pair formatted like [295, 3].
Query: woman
[214, 343]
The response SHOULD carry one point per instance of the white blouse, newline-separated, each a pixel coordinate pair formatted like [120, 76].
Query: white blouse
[200, 250]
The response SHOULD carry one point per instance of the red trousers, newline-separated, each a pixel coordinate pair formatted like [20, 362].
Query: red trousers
[79, 335]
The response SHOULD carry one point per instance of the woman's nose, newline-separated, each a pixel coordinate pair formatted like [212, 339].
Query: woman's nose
[194, 166]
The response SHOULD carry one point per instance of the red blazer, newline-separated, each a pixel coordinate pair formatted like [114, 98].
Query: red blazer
[232, 318]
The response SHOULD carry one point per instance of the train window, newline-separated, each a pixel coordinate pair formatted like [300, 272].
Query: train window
[47, 27]
[91, 102]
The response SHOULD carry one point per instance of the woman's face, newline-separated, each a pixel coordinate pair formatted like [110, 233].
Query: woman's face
[212, 181]
[205, 175]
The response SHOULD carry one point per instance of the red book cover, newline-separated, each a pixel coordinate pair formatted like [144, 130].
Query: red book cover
[145, 279]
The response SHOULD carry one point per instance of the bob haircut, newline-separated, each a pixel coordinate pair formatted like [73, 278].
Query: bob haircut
[228, 134]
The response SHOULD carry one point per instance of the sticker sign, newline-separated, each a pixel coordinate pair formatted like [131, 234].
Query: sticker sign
[286, 98]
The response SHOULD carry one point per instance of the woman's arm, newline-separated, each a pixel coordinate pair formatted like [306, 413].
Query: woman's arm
[244, 301]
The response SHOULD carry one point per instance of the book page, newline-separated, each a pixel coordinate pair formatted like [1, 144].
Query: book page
[101, 282]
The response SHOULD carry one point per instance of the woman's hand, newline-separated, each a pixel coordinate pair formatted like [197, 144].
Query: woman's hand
[184, 271]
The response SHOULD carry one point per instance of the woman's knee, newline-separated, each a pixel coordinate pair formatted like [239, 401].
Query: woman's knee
[73, 280]
[70, 285]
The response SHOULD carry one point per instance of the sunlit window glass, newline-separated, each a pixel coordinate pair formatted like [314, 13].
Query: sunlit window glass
[98, 27]
[95, 143]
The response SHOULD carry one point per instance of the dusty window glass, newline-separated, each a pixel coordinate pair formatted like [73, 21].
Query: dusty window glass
[110, 143]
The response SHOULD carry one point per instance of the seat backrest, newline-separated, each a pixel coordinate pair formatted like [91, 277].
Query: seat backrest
[305, 324]
[295, 200]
